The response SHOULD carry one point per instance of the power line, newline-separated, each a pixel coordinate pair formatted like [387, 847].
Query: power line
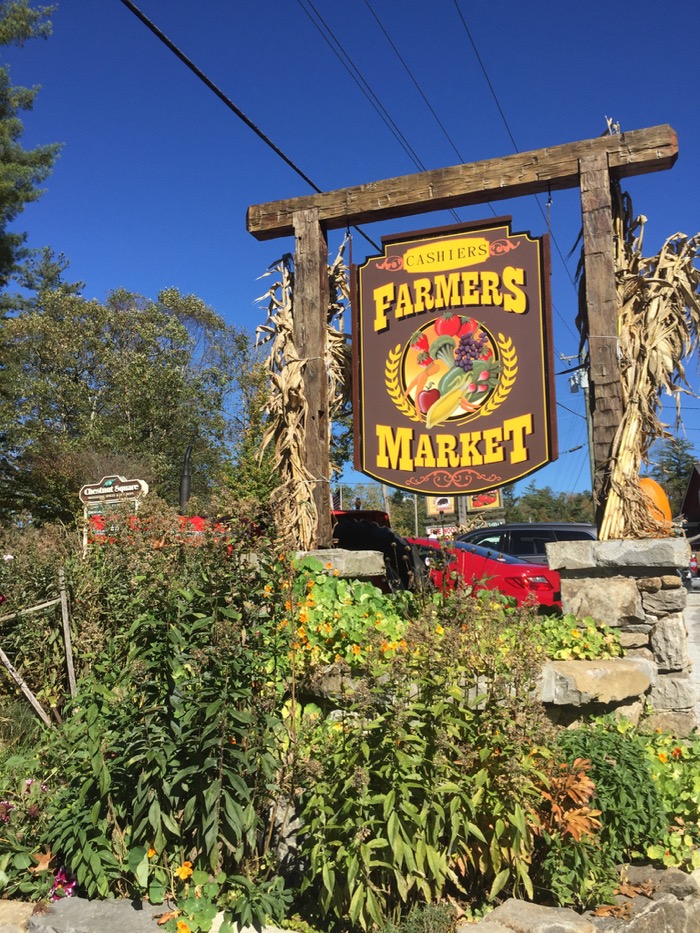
[512, 139]
[415, 82]
[229, 103]
[348, 63]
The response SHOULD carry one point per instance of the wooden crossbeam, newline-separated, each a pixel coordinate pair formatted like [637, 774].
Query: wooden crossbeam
[638, 152]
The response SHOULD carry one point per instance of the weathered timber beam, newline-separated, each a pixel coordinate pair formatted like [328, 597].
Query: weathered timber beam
[311, 300]
[635, 153]
[606, 406]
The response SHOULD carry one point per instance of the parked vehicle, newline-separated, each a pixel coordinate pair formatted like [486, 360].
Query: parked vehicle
[691, 580]
[528, 540]
[485, 568]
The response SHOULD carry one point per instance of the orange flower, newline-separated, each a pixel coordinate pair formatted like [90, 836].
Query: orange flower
[677, 752]
[184, 871]
[663, 757]
[182, 927]
[151, 852]
[356, 649]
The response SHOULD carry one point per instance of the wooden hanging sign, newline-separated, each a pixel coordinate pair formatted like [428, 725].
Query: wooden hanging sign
[453, 363]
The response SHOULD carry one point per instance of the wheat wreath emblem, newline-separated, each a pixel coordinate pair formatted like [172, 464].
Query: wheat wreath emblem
[393, 385]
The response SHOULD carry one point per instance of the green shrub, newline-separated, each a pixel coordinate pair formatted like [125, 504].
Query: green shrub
[423, 785]
[568, 637]
[675, 770]
[631, 813]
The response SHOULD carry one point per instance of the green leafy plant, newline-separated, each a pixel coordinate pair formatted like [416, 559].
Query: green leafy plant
[25, 808]
[333, 619]
[675, 770]
[569, 637]
[582, 871]
[422, 786]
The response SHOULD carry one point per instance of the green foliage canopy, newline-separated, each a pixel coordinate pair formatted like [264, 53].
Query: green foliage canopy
[125, 384]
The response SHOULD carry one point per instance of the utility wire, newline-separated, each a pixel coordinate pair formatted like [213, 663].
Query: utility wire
[420, 91]
[347, 62]
[512, 138]
[444, 129]
[415, 82]
[229, 103]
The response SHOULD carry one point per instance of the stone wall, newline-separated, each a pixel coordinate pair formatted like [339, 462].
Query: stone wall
[636, 588]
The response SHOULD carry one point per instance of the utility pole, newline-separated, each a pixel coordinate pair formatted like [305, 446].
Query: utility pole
[579, 380]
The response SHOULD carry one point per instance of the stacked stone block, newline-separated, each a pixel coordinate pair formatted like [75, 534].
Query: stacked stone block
[635, 586]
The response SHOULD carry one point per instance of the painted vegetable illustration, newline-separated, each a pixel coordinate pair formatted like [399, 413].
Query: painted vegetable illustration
[456, 368]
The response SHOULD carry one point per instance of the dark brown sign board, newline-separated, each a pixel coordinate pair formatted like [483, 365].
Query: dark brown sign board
[454, 388]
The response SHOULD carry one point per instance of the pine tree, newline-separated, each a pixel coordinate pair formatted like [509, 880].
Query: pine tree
[22, 170]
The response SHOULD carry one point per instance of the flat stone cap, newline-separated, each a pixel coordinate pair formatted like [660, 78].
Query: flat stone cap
[577, 683]
[652, 553]
[355, 564]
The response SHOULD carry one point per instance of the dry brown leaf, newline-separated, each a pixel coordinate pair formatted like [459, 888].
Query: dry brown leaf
[620, 911]
[645, 888]
[43, 862]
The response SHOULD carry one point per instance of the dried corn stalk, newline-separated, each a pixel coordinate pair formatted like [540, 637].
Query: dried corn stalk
[658, 326]
[287, 407]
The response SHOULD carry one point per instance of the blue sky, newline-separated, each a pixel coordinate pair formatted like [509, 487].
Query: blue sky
[156, 174]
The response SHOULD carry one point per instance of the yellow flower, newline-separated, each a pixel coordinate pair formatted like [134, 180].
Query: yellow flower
[575, 633]
[267, 589]
[182, 927]
[439, 630]
[184, 871]
[663, 757]
[356, 649]
[151, 852]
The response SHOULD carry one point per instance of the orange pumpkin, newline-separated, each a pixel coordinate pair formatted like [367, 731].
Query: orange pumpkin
[659, 506]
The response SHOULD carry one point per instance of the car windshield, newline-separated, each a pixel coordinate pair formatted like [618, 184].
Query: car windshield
[480, 551]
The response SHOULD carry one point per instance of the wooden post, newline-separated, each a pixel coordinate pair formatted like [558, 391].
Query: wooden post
[601, 308]
[15, 675]
[66, 632]
[311, 296]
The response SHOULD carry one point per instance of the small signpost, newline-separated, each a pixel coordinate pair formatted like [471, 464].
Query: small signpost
[110, 492]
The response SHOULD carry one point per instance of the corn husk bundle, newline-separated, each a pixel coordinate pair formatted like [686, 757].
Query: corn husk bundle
[658, 326]
[287, 406]
[339, 361]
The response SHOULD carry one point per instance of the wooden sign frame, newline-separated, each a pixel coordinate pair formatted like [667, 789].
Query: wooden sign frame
[589, 165]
